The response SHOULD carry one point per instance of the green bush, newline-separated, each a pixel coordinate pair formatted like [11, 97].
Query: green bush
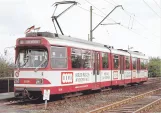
[6, 67]
[154, 67]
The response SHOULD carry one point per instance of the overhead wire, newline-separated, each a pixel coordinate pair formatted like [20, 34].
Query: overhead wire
[114, 2]
[151, 8]
[89, 11]
[109, 2]
[129, 14]
[132, 22]
[145, 28]
[96, 8]
[157, 4]
[112, 19]
[96, 13]
[130, 19]
[135, 32]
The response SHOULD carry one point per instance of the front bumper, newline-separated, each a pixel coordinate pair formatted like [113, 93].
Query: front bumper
[29, 89]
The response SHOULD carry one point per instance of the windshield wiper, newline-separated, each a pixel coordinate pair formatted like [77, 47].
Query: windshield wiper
[40, 64]
[18, 65]
[27, 59]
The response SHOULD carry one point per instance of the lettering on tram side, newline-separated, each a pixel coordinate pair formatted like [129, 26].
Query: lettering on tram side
[127, 74]
[115, 75]
[105, 76]
[145, 74]
[66, 77]
[82, 77]
[134, 74]
[142, 74]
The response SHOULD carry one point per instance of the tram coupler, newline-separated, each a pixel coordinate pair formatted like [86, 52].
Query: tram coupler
[24, 94]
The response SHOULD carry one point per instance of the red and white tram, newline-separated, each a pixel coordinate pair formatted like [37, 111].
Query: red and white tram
[64, 64]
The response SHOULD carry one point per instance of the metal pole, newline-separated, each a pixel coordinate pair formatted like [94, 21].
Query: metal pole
[8, 85]
[91, 30]
[128, 47]
[110, 24]
[88, 37]
[90, 23]
[107, 16]
[45, 104]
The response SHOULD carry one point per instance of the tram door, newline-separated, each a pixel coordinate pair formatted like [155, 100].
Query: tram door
[138, 68]
[96, 70]
[122, 69]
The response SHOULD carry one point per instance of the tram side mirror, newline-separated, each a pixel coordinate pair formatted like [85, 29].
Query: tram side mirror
[5, 50]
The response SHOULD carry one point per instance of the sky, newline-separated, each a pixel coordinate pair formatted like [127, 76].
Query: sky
[140, 24]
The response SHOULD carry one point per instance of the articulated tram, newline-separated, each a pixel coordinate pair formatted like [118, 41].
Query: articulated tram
[66, 65]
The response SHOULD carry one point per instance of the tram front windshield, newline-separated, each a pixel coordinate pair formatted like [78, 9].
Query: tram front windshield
[32, 58]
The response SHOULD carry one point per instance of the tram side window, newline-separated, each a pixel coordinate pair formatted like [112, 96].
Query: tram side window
[92, 59]
[58, 57]
[86, 59]
[76, 58]
[138, 64]
[116, 61]
[127, 62]
[142, 63]
[145, 64]
[104, 60]
[134, 63]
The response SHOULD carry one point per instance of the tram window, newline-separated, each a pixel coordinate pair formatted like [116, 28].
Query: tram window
[76, 58]
[145, 64]
[116, 61]
[58, 57]
[104, 60]
[92, 59]
[138, 64]
[86, 58]
[127, 62]
[134, 63]
[32, 58]
[142, 63]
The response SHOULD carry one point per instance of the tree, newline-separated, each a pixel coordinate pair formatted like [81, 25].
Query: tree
[154, 67]
[6, 67]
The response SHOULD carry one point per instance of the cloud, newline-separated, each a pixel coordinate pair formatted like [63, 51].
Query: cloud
[17, 15]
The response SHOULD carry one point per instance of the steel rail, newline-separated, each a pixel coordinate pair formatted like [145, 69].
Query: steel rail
[126, 101]
[148, 106]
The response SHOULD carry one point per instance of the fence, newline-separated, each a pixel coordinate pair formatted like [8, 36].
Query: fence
[6, 84]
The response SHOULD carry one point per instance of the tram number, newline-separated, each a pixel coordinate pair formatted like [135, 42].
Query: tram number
[66, 77]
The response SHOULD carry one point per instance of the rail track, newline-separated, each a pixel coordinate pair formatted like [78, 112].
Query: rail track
[137, 104]
[83, 103]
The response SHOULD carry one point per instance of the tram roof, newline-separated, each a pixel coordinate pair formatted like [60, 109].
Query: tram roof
[63, 37]
[50, 35]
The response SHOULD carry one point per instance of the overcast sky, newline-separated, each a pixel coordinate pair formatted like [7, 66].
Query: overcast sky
[141, 31]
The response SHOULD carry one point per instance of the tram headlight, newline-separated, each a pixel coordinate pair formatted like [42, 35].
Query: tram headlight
[16, 80]
[39, 81]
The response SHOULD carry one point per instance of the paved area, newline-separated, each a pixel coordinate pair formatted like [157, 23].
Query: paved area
[6, 95]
